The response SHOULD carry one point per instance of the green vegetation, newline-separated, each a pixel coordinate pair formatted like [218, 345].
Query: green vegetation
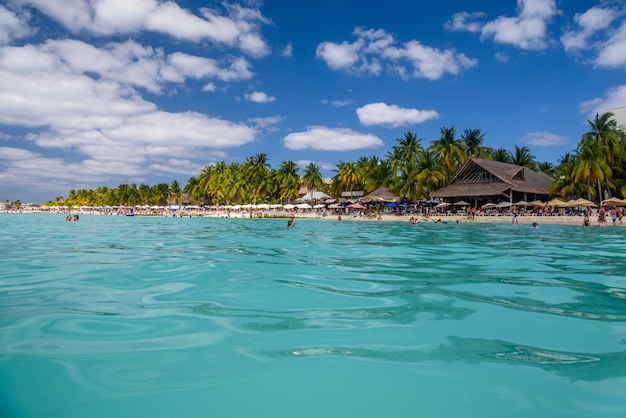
[594, 170]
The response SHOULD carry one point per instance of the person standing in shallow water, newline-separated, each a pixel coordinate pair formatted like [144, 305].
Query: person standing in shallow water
[601, 218]
[291, 222]
[586, 219]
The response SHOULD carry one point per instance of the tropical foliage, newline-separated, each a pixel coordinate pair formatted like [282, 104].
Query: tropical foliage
[595, 170]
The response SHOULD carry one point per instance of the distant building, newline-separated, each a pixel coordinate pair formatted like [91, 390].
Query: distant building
[620, 117]
[485, 181]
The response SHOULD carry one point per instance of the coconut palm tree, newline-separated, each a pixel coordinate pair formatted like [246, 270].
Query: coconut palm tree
[348, 177]
[547, 168]
[523, 157]
[257, 170]
[161, 193]
[432, 173]
[565, 184]
[592, 167]
[408, 184]
[312, 178]
[409, 148]
[473, 139]
[604, 132]
[378, 173]
[176, 193]
[501, 155]
[449, 149]
[192, 189]
[288, 180]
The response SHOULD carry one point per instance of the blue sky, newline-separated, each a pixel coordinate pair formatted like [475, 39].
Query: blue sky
[105, 92]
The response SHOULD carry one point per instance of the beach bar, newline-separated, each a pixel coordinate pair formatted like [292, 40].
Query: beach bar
[484, 181]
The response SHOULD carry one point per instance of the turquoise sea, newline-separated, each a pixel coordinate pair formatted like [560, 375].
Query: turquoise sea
[199, 317]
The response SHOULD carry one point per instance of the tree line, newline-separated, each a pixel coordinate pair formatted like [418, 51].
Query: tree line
[595, 170]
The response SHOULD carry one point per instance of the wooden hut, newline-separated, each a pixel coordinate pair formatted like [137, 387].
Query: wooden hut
[487, 181]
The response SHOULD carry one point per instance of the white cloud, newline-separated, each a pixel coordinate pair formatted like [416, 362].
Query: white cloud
[8, 153]
[589, 23]
[339, 56]
[200, 67]
[501, 57]
[259, 97]
[613, 52]
[341, 103]
[373, 50]
[239, 28]
[12, 26]
[66, 82]
[288, 50]
[322, 138]
[615, 97]
[85, 102]
[392, 116]
[527, 30]
[266, 122]
[465, 21]
[209, 87]
[544, 139]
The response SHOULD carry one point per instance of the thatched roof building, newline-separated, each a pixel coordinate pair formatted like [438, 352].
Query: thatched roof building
[486, 180]
[382, 194]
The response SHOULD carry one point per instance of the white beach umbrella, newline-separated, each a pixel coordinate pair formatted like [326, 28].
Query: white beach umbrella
[319, 206]
[289, 206]
[303, 206]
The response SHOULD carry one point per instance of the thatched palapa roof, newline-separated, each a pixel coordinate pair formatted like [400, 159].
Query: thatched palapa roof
[478, 177]
[382, 194]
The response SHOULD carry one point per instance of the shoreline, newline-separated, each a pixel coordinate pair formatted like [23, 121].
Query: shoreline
[479, 219]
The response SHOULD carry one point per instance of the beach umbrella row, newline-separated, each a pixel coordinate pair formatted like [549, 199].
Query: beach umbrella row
[614, 201]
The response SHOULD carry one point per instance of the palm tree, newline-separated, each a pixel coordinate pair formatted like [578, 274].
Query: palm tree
[257, 171]
[409, 149]
[432, 173]
[565, 184]
[161, 193]
[192, 189]
[235, 183]
[312, 178]
[449, 149]
[473, 138]
[592, 166]
[145, 193]
[523, 157]
[176, 193]
[378, 173]
[604, 132]
[408, 185]
[547, 168]
[348, 177]
[502, 155]
[288, 180]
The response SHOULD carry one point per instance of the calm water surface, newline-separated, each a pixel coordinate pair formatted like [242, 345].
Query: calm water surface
[193, 317]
